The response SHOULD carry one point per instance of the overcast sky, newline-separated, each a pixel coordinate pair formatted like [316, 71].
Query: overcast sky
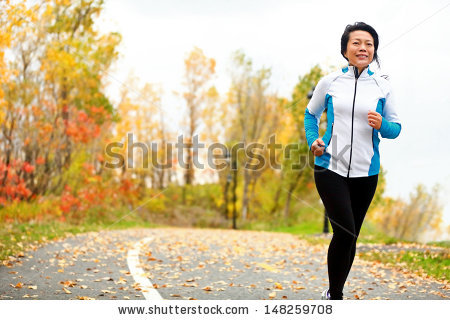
[291, 37]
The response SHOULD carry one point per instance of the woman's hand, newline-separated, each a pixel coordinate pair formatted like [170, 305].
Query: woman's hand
[374, 119]
[318, 147]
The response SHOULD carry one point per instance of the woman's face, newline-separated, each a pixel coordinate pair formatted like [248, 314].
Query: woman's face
[360, 49]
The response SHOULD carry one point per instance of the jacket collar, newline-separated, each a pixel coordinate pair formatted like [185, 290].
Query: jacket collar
[353, 72]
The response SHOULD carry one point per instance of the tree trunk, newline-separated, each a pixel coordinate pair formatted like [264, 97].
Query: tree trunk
[276, 199]
[287, 205]
[245, 195]
[291, 189]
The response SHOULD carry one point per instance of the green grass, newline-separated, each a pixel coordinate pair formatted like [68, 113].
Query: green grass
[435, 264]
[370, 234]
[311, 231]
[443, 244]
[306, 228]
[16, 238]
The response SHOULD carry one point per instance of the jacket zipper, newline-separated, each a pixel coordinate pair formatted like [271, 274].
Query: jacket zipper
[353, 118]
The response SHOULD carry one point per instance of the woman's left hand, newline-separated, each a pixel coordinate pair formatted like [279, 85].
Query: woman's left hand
[374, 119]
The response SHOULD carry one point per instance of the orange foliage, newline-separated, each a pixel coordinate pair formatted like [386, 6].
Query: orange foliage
[13, 185]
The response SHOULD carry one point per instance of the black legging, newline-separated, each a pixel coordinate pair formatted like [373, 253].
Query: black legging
[346, 201]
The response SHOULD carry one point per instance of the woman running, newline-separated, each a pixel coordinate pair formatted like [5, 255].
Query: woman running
[360, 108]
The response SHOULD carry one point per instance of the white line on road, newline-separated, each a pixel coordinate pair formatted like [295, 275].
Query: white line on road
[138, 274]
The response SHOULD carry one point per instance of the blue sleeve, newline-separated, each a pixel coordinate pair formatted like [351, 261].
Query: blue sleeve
[314, 110]
[390, 124]
[311, 128]
[389, 130]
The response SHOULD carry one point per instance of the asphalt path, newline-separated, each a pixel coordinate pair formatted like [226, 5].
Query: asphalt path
[202, 264]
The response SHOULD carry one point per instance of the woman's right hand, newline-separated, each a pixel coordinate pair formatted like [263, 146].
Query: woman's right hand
[318, 147]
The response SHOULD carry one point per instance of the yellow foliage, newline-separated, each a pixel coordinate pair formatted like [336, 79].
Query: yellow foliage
[410, 220]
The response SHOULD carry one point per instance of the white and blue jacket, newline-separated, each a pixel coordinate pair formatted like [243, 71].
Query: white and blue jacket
[351, 145]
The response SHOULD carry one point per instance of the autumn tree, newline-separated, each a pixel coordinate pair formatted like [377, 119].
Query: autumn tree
[142, 124]
[296, 165]
[409, 220]
[7, 21]
[255, 115]
[199, 96]
[54, 98]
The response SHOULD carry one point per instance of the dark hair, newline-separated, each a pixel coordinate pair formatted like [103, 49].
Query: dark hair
[359, 26]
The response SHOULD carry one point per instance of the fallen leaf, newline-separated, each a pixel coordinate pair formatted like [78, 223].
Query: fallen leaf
[207, 288]
[137, 286]
[19, 285]
[32, 287]
[66, 291]
[278, 286]
[68, 283]
[268, 267]
[121, 280]
[272, 295]
[189, 285]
